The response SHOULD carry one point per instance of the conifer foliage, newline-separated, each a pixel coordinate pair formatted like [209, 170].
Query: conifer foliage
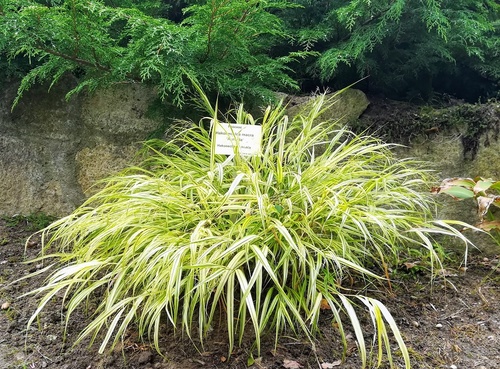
[243, 49]
[403, 45]
[223, 44]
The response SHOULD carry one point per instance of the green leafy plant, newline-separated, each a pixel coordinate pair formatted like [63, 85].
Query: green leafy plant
[265, 240]
[485, 192]
[224, 44]
[406, 47]
[246, 48]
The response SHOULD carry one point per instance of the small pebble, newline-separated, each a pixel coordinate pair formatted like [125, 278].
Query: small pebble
[5, 306]
[439, 325]
[453, 367]
[144, 357]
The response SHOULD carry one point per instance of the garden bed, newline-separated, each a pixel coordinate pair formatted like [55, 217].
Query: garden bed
[453, 322]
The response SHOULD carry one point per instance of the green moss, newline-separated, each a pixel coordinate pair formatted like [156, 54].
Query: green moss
[33, 222]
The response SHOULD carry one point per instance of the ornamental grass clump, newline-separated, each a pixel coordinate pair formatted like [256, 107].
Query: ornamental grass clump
[264, 240]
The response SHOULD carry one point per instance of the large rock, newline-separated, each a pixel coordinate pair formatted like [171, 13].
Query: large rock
[344, 108]
[460, 140]
[446, 154]
[52, 151]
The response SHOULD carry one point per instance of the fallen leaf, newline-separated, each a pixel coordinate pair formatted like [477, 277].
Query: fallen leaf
[32, 243]
[291, 364]
[331, 365]
[446, 273]
[409, 265]
[489, 225]
[325, 305]
[435, 190]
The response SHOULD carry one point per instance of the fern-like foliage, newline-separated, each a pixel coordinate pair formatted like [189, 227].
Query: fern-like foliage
[401, 44]
[224, 44]
[246, 48]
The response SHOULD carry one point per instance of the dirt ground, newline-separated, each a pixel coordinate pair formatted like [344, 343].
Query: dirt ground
[452, 323]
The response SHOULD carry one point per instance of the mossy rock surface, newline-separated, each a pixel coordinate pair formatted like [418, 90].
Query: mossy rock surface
[455, 140]
[53, 150]
[346, 107]
[474, 125]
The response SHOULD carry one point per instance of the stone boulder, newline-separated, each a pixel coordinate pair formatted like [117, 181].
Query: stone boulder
[345, 108]
[458, 140]
[52, 151]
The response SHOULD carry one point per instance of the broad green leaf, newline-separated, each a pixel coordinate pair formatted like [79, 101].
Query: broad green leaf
[482, 186]
[458, 193]
[495, 186]
[462, 182]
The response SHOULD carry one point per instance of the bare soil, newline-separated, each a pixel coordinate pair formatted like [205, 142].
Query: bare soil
[453, 322]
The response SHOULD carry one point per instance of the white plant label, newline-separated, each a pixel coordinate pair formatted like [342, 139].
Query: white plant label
[246, 137]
